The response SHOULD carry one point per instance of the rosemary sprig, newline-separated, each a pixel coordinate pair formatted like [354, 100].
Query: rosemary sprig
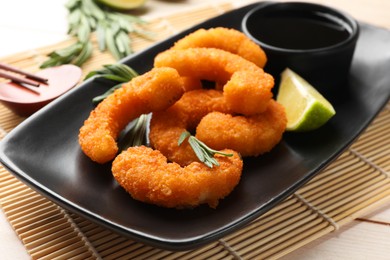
[113, 31]
[136, 135]
[204, 153]
[96, 100]
[117, 72]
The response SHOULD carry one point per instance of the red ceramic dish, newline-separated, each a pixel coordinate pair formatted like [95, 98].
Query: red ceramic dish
[25, 102]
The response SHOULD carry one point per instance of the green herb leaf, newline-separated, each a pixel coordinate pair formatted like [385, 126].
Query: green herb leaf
[183, 137]
[119, 72]
[63, 56]
[114, 77]
[84, 55]
[84, 30]
[101, 36]
[113, 31]
[122, 70]
[96, 100]
[136, 135]
[204, 153]
[116, 72]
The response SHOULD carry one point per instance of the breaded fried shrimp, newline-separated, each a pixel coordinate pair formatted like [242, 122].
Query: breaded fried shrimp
[226, 39]
[153, 91]
[250, 136]
[148, 177]
[166, 126]
[243, 94]
[221, 66]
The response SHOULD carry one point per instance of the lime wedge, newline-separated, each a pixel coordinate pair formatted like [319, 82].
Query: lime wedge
[123, 4]
[306, 108]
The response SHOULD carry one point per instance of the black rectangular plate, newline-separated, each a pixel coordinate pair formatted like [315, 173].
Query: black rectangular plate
[43, 152]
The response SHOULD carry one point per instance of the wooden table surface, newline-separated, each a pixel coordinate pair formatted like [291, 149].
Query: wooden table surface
[25, 25]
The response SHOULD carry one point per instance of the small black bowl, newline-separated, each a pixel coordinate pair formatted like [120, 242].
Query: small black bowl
[313, 40]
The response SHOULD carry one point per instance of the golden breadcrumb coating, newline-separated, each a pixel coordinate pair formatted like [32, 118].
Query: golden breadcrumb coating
[148, 177]
[250, 136]
[221, 66]
[155, 90]
[226, 39]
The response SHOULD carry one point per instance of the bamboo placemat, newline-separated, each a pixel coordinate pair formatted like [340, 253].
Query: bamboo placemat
[355, 184]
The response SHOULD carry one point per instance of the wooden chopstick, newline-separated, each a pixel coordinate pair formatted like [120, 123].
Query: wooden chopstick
[18, 79]
[16, 70]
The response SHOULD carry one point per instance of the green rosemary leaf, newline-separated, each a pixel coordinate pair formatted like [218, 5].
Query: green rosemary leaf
[140, 130]
[122, 70]
[50, 63]
[95, 10]
[132, 73]
[114, 77]
[96, 100]
[84, 30]
[114, 28]
[117, 72]
[86, 7]
[183, 136]
[136, 135]
[210, 159]
[74, 19]
[98, 73]
[204, 153]
[212, 151]
[123, 44]
[198, 151]
[92, 23]
[63, 56]
[73, 49]
[91, 74]
[124, 25]
[100, 33]
[209, 164]
[110, 42]
[120, 44]
[84, 55]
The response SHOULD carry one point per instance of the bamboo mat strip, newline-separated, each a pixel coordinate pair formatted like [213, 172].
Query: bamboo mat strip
[355, 184]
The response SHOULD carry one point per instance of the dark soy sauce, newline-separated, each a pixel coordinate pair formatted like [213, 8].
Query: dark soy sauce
[300, 32]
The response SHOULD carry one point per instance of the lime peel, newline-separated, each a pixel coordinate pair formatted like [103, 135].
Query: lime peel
[306, 108]
[123, 4]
